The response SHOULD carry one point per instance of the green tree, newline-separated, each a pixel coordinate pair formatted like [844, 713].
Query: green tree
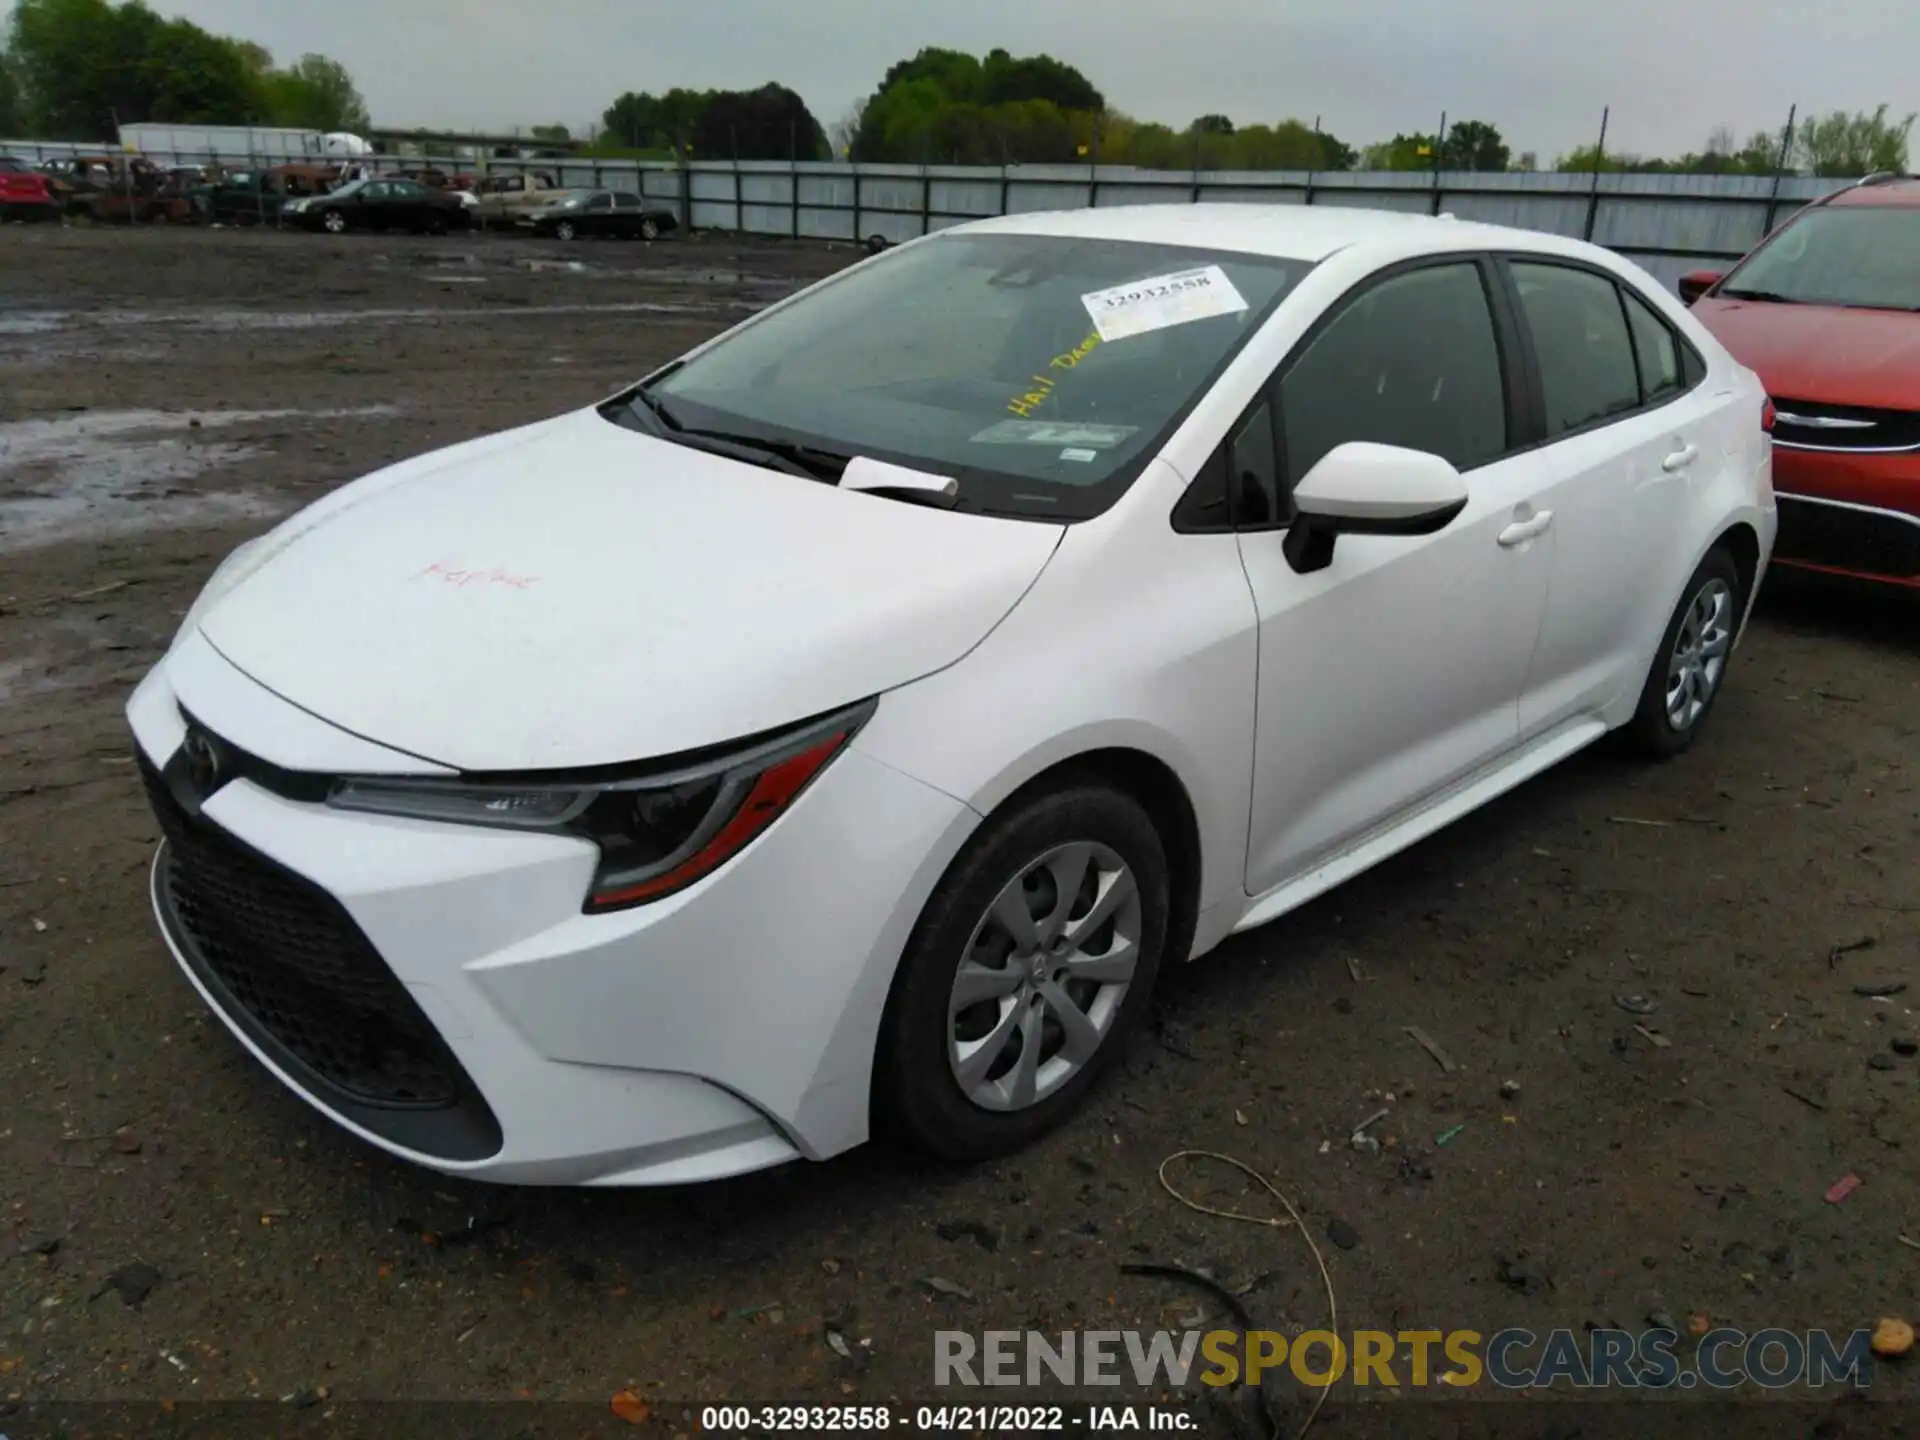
[1588, 158]
[1211, 125]
[12, 118]
[1473, 145]
[314, 94]
[1403, 152]
[551, 134]
[656, 122]
[1760, 154]
[82, 67]
[771, 123]
[1839, 144]
[948, 105]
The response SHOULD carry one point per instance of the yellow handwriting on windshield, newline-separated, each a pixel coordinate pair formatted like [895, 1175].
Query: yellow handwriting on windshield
[1026, 403]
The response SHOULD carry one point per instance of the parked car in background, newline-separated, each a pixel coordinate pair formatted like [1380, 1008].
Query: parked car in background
[380, 204]
[1827, 310]
[843, 725]
[25, 194]
[616, 214]
[255, 197]
[511, 199]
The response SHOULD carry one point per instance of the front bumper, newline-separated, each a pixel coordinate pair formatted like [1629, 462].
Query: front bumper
[437, 990]
[1850, 513]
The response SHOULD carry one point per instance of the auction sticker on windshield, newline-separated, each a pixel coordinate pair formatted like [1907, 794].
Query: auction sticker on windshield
[1053, 432]
[1162, 300]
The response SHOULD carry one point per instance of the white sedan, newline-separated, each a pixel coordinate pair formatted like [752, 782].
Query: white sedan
[840, 729]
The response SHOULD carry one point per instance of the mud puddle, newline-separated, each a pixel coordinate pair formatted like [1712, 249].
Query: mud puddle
[124, 472]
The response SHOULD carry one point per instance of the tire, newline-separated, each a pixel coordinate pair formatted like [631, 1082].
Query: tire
[1018, 859]
[876, 243]
[1690, 668]
[649, 228]
[564, 230]
[334, 222]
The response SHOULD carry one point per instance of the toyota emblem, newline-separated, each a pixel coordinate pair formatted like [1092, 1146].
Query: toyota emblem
[202, 761]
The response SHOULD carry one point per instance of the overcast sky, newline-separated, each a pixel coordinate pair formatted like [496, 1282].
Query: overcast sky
[1541, 72]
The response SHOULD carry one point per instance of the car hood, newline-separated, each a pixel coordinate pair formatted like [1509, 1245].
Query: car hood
[575, 593]
[1824, 353]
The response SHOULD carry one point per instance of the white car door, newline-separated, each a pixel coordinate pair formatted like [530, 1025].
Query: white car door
[1628, 431]
[1398, 668]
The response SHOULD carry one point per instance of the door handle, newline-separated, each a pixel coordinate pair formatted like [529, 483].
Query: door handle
[1522, 531]
[1680, 459]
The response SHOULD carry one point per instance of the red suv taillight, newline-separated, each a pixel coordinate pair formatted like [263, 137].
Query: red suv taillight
[1766, 415]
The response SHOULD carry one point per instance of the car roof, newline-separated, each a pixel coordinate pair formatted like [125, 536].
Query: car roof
[1289, 232]
[1892, 190]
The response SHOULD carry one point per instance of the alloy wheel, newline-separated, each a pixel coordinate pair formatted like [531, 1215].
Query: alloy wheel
[1043, 976]
[1699, 656]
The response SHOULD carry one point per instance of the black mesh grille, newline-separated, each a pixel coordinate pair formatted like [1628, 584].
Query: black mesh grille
[288, 956]
[1847, 539]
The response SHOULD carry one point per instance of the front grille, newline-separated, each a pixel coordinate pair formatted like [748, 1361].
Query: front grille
[1847, 539]
[287, 963]
[1858, 427]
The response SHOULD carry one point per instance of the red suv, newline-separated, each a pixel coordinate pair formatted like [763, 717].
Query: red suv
[24, 193]
[1827, 310]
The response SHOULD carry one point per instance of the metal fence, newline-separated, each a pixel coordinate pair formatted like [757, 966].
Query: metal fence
[1668, 223]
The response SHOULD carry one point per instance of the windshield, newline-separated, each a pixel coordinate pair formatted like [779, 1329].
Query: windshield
[348, 190]
[1866, 256]
[1041, 372]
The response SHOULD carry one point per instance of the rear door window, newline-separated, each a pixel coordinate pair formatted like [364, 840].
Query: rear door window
[1656, 350]
[1580, 338]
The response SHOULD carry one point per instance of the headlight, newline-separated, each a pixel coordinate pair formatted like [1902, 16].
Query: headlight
[226, 575]
[657, 832]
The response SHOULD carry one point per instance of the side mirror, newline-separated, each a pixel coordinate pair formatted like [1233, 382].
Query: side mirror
[1696, 283]
[1365, 489]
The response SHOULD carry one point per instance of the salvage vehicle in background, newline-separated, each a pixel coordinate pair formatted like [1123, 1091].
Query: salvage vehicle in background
[510, 200]
[1827, 310]
[256, 197]
[25, 194]
[614, 214]
[380, 204]
[843, 725]
[122, 189]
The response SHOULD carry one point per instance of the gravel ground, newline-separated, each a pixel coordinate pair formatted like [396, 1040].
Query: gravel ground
[164, 394]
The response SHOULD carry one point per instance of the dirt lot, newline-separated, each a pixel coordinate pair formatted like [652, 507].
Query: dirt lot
[164, 394]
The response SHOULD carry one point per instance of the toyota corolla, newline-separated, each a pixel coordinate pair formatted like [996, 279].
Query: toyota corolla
[837, 731]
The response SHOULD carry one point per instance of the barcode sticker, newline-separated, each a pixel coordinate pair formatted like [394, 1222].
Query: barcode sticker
[1162, 300]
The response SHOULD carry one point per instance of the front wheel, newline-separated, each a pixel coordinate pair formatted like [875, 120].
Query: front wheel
[334, 222]
[649, 229]
[1034, 958]
[1691, 664]
[564, 230]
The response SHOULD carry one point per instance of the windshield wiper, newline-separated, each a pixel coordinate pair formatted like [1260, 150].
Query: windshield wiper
[801, 459]
[651, 412]
[1771, 297]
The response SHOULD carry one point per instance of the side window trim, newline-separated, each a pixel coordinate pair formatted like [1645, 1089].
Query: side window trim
[1633, 349]
[1504, 262]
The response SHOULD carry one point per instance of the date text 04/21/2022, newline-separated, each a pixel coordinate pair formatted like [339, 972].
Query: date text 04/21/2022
[944, 1419]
